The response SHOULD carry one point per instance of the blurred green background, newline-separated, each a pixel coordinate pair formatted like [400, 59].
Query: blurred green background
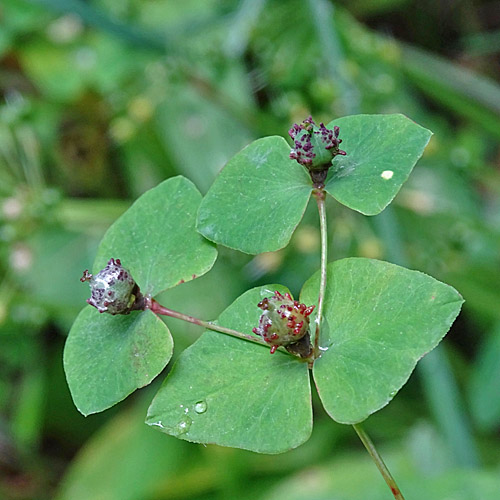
[101, 100]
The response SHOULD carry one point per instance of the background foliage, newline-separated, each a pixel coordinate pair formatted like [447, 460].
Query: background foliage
[102, 100]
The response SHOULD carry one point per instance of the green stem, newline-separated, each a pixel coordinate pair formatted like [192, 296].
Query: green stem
[319, 194]
[370, 447]
[157, 308]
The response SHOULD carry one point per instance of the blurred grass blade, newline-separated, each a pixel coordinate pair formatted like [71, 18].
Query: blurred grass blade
[322, 13]
[243, 22]
[482, 44]
[447, 405]
[101, 21]
[483, 390]
[30, 406]
[476, 88]
[124, 460]
[463, 91]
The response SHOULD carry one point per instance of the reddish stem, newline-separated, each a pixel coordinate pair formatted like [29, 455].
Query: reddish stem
[157, 308]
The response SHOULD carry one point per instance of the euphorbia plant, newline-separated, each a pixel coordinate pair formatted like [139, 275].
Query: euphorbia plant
[358, 329]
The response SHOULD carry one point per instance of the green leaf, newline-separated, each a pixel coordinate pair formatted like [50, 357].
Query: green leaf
[231, 392]
[257, 200]
[156, 239]
[381, 152]
[108, 357]
[382, 319]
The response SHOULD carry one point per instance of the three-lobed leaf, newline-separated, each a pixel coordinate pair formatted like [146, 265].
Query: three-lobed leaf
[257, 200]
[381, 152]
[382, 319]
[234, 393]
[260, 196]
[156, 238]
[107, 357]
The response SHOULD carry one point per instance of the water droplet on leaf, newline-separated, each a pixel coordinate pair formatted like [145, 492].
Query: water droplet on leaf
[183, 426]
[200, 407]
[158, 424]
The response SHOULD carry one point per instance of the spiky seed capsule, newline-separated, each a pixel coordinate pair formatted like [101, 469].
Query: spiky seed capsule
[113, 290]
[284, 321]
[314, 147]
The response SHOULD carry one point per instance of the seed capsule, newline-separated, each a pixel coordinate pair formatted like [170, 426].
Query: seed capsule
[113, 290]
[284, 321]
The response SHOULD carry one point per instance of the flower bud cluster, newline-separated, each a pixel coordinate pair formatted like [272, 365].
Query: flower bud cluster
[315, 147]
